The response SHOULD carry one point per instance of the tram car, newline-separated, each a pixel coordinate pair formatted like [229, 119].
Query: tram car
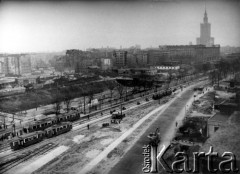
[4, 134]
[10, 132]
[58, 129]
[162, 94]
[40, 125]
[70, 116]
[158, 96]
[27, 140]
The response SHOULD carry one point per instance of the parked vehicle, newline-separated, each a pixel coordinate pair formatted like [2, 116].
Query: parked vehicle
[117, 117]
[37, 136]
[58, 129]
[27, 140]
[39, 125]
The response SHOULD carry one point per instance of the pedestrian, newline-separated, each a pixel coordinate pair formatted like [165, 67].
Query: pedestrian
[101, 113]
[176, 123]
[88, 126]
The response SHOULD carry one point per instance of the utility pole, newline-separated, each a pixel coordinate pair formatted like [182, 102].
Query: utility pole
[14, 128]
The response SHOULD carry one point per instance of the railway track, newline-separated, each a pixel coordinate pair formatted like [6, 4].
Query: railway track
[4, 147]
[4, 167]
[92, 116]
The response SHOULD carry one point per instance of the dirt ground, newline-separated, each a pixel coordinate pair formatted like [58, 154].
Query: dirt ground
[87, 144]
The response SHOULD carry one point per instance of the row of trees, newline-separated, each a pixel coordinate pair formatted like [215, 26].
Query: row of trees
[223, 69]
[67, 94]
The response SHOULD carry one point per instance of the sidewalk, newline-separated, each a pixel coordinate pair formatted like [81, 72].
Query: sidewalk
[104, 153]
[132, 161]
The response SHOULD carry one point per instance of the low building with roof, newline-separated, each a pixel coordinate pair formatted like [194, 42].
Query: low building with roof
[228, 107]
[216, 121]
[226, 139]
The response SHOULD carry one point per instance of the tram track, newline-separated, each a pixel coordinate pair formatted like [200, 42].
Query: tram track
[92, 117]
[4, 167]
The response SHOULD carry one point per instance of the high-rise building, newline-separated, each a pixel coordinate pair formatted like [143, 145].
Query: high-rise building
[1, 65]
[25, 64]
[205, 33]
[120, 58]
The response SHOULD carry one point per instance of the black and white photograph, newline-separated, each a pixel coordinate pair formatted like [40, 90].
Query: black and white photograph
[119, 86]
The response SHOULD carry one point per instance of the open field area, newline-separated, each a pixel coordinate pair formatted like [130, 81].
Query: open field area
[34, 99]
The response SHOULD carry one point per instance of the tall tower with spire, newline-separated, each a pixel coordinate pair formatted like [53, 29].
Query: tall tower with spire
[205, 32]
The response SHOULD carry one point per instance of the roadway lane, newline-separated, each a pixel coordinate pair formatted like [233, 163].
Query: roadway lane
[132, 161]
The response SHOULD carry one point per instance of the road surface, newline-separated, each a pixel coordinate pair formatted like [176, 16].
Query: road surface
[132, 161]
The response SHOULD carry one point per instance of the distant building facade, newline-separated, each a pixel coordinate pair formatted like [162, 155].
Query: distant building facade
[15, 64]
[120, 57]
[106, 64]
[142, 58]
[165, 67]
[157, 56]
[190, 54]
[205, 33]
[25, 65]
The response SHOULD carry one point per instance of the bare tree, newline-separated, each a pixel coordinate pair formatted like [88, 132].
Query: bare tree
[90, 98]
[57, 99]
[111, 86]
[212, 76]
[57, 107]
[120, 88]
[67, 99]
[84, 94]
[169, 80]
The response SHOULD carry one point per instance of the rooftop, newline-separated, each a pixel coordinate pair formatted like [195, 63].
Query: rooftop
[219, 117]
[27, 135]
[235, 118]
[226, 139]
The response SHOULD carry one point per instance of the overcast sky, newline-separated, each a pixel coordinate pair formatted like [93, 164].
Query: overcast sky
[43, 26]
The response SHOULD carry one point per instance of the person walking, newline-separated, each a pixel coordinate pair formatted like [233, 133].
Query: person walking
[88, 126]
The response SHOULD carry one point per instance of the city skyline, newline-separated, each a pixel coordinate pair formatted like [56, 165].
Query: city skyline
[43, 26]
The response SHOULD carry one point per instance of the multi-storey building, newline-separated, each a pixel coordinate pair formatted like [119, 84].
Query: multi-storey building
[142, 58]
[131, 60]
[25, 64]
[157, 56]
[15, 64]
[11, 65]
[106, 64]
[190, 54]
[1, 65]
[205, 33]
[120, 58]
